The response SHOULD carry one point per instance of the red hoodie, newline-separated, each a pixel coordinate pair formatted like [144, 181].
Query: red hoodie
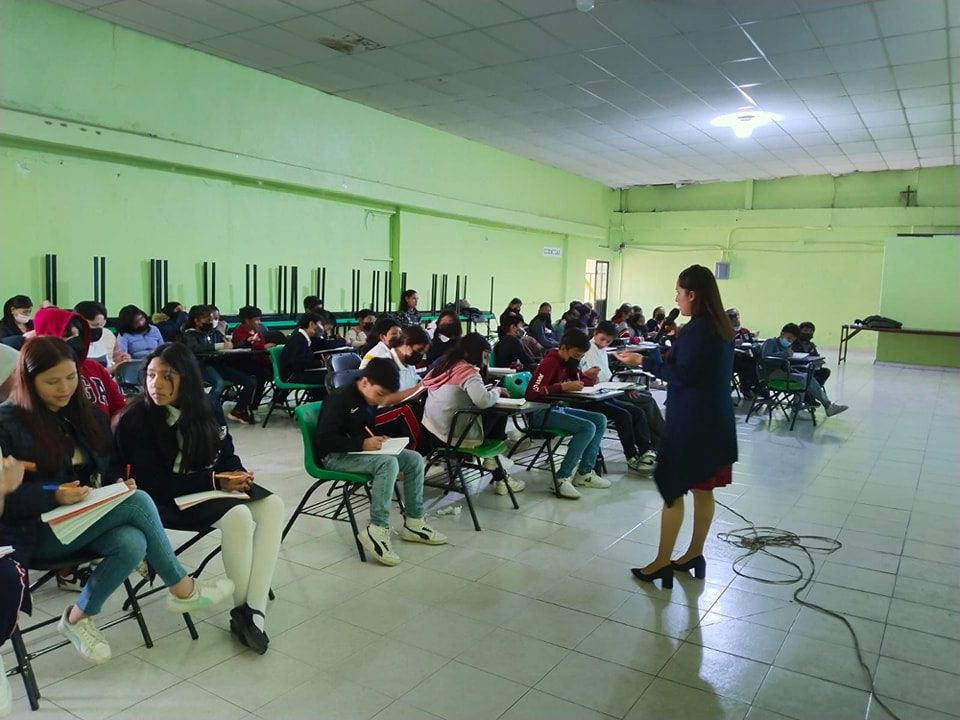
[100, 387]
[551, 373]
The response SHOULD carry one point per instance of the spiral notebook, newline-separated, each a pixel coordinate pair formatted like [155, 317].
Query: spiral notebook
[69, 522]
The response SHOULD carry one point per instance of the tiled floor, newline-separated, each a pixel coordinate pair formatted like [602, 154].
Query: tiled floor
[538, 617]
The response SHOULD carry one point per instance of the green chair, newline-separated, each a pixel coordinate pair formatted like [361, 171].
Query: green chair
[307, 416]
[517, 383]
[280, 386]
[456, 458]
[778, 389]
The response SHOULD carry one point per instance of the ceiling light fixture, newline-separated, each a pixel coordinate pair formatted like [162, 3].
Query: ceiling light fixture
[585, 5]
[743, 122]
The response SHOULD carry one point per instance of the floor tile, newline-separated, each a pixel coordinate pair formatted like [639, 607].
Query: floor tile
[633, 647]
[389, 667]
[176, 698]
[536, 705]
[921, 649]
[715, 672]
[323, 641]
[595, 683]
[668, 700]
[513, 656]
[738, 637]
[923, 686]
[461, 692]
[585, 596]
[276, 674]
[552, 623]
[442, 632]
[809, 698]
[932, 620]
[829, 661]
[377, 611]
[327, 697]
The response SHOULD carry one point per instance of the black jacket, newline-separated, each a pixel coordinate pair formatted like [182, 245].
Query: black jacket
[22, 509]
[510, 350]
[344, 418]
[201, 343]
[150, 446]
[542, 331]
[297, 356]
[438, 347]
[170, 328]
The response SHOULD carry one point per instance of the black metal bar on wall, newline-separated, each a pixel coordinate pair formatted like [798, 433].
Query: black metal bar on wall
[165, 285]
[96, 278]
[464, 286]
[323, 286]
[491, 294]
[251, 286]
[50, 277]
[213, 283]
[254, 283]
[294, 273]
[353, 291]
[433, 292]
[456, 294]
[443, 291]
[387, 295]
[206, 284]
[373, 290]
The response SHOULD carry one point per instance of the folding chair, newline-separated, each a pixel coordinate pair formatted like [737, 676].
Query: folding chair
[128, 376]
[280, 386]
[24, 666]
[778, 389]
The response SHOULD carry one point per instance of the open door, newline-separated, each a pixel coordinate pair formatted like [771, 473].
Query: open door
[595, 285]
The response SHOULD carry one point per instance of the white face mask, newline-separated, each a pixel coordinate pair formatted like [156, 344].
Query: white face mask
[22, 319]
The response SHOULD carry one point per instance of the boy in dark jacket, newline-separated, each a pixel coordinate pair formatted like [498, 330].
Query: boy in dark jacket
[344, 430]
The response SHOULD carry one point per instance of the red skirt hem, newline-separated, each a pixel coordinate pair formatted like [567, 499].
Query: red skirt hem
[722, 478]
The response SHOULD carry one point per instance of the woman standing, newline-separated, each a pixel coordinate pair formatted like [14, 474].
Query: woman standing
[175, 439]
[700, 439]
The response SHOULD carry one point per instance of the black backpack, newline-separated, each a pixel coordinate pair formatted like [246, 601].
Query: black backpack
[878, 321]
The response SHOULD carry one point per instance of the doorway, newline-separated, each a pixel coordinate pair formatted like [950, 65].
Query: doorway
[595, 285]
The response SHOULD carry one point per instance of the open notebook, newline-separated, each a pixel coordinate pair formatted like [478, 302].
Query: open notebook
[6, 550]
[68, 522]
[510, 402]
[188, 501]
[391, 446]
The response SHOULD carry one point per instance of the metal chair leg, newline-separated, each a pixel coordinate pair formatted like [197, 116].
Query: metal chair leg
[25, 669]
[347, 492]
[303, 503]
[138, 613]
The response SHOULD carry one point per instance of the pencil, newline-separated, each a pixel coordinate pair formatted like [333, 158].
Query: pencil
[369, 431]
[29, 466]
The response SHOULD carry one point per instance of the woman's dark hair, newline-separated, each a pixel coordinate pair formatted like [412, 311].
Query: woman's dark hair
[17, 301]
[791, 328]
[382, 372]
[366, 312]
[382, 327]
[407, 294]
[198, 428]
[469, 348]
[197, 312]
[54, 447]
[89, 309]
[706, 303]
[509, 320]
[807, 325]
[310, 302]
[170, 309]
[128, 316]
[413, 335]
[249, 312]
[515, 301]
[544, 305]
[575, 340]
[450, 314]
[307, 318]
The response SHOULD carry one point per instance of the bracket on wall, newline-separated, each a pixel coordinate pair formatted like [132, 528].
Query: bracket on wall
[908, 197]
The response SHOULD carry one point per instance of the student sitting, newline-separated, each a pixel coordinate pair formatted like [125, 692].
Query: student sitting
[559, 372]
[17, 312]
[298, 363]
[619, 318]
[137, 337]
[102, 349]
[13, 579]
[176, 442]
[170, 320]
[570, 316]
[397, 417]
[635, 328]
[669, 335]
[219, 324]
[357, 335]
[378, 343]
[313, 304]
[250, 334]
[805, 344]
[446, 336]
[782, 347]
[456, 384]
[741, 334]
[100, 388]
[588, 316]
[8, 364]
[407, 313]
[513, 308]
[541, 328]
[643, 418]
[53, 425]
[653, 324]
[344, 428]
[509, 350]
[204, 340]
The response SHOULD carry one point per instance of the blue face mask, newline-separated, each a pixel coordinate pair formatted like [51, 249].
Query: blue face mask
[784, 343]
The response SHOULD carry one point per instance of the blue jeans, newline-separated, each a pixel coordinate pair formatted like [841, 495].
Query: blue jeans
[217, 375]
[384, 469]
[122, 537]
[587, 428]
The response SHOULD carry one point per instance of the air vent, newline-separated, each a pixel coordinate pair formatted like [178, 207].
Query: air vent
[350, 43]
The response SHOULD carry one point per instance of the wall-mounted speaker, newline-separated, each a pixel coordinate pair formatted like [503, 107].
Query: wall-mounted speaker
[722, 270]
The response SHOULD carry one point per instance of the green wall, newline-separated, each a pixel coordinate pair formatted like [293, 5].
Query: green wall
[805, 248]
[119, 144]
[921, 289]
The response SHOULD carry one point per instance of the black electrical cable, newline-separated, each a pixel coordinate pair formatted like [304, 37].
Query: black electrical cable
[756, 539]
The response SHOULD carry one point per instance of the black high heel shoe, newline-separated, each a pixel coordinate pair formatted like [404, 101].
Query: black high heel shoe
[697, 564]
[242, 625]
[664, 575]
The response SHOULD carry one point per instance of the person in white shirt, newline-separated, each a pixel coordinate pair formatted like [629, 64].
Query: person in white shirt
[378, 342]
[400, 413]
[357, 336]
[103, 343]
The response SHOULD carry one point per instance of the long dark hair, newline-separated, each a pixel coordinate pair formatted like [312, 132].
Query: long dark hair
[17, 301]
[507, 322]
[54, 446]
[199, 430]
[469, 348]
[707, 302]
[382, 326]
[128, 315]
[407, 294]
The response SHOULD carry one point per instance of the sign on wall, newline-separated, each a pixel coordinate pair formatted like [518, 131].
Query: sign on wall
[552, 252]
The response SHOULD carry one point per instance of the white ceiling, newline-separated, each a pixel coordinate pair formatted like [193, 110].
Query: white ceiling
[623, 94]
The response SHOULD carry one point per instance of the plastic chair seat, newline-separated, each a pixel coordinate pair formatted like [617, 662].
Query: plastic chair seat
[489, 449]
[786, 385]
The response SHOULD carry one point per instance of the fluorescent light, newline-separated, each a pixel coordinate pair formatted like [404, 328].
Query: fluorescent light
[744, 121]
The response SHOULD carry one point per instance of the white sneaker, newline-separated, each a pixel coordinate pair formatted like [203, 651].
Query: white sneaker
[591, 480]
[86, 638]
[567, 490]
[204, 595]
[836, 409]
[500, 487]
[416, 530]
[643, 463]
[376, 541]
[514, 436]
[505, 462]
[436, 470]
[6, 696]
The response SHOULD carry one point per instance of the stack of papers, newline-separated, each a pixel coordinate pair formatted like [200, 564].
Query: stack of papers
[68, 522]
[6, 550]
[588, 390]
[188, 501]
[392, 446]
[511, 402]
[615, 385]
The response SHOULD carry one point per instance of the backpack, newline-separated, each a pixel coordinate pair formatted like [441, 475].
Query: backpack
[878, 321]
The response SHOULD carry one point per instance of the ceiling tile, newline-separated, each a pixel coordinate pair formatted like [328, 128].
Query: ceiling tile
[432, 53]
[748, 10]
[882, 118]
[261, 55]
[579, 31]
[536, 74]
[657, 85]
[575, 68]
[849, 136]
[179, 27]
[830, 106]
[672, 51]
[427, 19]
[748, 72]
[850, 121]
[876, 102]
[452, 87]
[824, 86]
[286, 42]
[694, 15]
[367, 75]
[898, 18]
[868, 81]
[929, 141]
[858, 56]
[923, 74]
[312, 27]
[937, 95]
[207, 13]
[621, 61]
[782, 35]
[891, 132]
[364, 21]
[805, 64]
[723, 45]
[572, 96]
[918, 47]
[532, 8]
[389, 60]
[528, 39]
[898, 144]
[478, 14]
[491, 79]
[320, 77]
[844, 25]
[315, 6]
[270, 11]
[929, 114]
[633, 21]
[612, 90]
[480, 47]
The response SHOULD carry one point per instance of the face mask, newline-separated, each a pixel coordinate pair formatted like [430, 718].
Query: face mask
[413, 358]
[366, 326]
[573, 362]
[785, 343]
[450, 330]
[394, 342]
[77, 345]
[206, 327]
[95, 334]
[22, 319]
[806, 336]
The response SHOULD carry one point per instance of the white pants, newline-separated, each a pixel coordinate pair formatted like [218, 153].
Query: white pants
[250, 542]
